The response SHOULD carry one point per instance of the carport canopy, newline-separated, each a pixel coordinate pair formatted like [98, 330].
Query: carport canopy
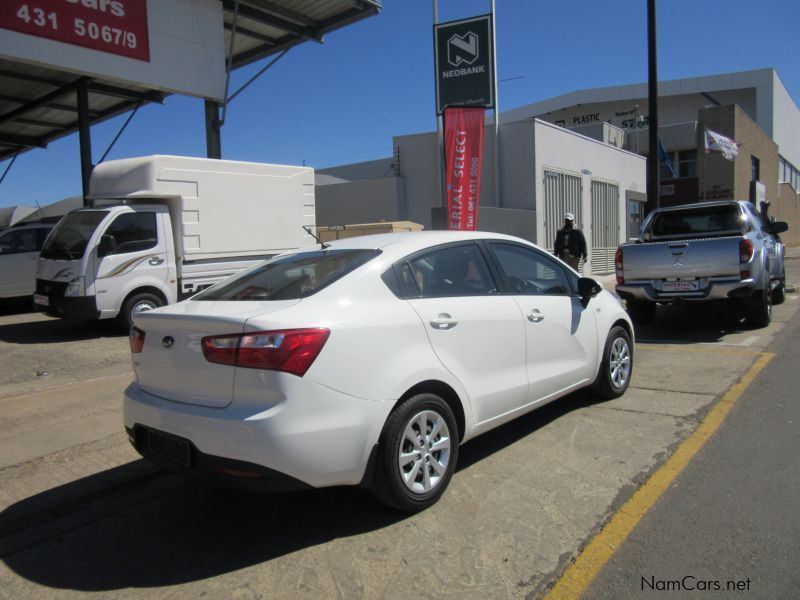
[41, 104]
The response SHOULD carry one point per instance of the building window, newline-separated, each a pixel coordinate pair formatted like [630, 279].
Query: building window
[755, 168]
[684, 164]
[687, 163]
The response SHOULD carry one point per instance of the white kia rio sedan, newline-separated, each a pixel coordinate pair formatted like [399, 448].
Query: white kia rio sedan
[368, 362]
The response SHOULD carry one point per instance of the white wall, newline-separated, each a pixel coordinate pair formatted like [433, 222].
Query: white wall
[569, 152]
[787, 124]
[187, 53]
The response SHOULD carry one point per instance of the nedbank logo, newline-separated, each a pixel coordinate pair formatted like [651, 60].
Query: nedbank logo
[463, 49]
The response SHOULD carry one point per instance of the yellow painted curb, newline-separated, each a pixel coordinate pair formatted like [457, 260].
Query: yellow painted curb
[577, 577]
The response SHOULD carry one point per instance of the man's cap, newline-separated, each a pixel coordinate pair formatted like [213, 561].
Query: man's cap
[569, 217]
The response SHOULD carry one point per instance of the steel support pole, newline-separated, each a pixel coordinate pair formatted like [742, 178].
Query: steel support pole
[440, 167]
[497, 201]
[84, 138]
[213, 137]
[652, 97]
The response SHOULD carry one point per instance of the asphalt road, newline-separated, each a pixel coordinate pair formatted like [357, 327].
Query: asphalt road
[729, 525]
[80, 512]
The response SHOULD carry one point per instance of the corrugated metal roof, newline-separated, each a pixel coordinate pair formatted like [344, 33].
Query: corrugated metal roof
[39, 104]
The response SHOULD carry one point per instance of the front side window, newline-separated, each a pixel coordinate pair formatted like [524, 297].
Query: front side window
[452, 271]
[290, 277]
[530, 273]
[133, 232]
[15, 242]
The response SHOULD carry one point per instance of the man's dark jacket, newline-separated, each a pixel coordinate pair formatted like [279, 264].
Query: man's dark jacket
[577, 243]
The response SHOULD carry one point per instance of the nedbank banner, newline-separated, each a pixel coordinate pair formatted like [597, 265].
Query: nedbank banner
[463, 146]
[464, 63]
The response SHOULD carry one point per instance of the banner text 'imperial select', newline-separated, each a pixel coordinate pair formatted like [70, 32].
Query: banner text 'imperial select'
[463, 142]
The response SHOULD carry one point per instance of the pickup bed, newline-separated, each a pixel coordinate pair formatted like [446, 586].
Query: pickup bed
[710, 251]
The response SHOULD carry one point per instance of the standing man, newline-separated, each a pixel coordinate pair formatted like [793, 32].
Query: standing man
[570, 245]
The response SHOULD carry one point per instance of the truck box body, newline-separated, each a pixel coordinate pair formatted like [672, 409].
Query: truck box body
[203, 195]
[165, 227]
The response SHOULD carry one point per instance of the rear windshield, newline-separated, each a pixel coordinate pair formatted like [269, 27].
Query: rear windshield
[695, 221]
[290, 277]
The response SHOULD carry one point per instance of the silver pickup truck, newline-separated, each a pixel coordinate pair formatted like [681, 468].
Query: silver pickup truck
[709, 251]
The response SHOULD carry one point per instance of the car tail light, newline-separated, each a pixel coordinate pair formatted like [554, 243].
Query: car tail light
[744, 274]
[745, 251]
[618, 266]
[137, 340]
[289, 350]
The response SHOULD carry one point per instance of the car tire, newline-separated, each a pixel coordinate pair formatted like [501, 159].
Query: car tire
[779, 293]
[759, 310]
[642, 313]
[617, 365]
[138, 303]
[407, 477]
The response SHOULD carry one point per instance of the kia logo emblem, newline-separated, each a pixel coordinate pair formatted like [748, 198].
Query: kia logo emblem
[167, 341]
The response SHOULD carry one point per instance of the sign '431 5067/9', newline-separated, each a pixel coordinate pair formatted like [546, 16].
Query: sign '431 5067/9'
[114, 26]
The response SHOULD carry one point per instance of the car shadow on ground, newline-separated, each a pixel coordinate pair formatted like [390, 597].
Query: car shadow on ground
[139, 527]
[43, 330]
[700, 323]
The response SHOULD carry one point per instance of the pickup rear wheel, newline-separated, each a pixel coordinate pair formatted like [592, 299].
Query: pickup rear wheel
[779, 293]
[138, 303]
[759, 311]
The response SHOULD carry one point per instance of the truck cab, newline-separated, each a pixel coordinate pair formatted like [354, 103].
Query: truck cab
[100, 259]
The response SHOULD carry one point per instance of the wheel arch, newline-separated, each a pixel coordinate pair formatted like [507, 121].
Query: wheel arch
[445, 392]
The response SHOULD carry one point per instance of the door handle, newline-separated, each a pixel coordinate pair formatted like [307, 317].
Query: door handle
[535, 316]
[443, 322]
[155, 261]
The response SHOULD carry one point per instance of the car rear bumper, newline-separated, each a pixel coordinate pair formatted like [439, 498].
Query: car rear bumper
[646, 291]
[316, 437]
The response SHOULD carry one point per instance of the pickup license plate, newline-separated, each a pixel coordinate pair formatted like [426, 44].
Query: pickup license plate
[679, 286]
[41, 300]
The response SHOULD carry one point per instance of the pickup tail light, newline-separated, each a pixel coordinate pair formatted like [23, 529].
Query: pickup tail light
[136, 337]
[618, 266]
[746, 250]
[289, 350]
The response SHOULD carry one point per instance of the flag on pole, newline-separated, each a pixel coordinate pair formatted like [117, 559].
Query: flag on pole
[719, 143]
[664, 157]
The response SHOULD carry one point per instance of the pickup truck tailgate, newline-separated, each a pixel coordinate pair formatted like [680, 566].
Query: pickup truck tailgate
[682, 259]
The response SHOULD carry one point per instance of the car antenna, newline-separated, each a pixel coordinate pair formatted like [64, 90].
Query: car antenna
[319, 241]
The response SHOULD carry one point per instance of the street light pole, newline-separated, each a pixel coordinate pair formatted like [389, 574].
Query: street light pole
[652, 96]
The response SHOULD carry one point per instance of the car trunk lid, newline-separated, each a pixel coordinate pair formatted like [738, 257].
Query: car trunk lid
[172, 365]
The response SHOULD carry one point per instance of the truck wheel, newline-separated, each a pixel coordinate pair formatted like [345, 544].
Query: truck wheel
[642, 313]
[759, 311]
[417, 454]
[138, 303]
[779, 293]
[617, 366]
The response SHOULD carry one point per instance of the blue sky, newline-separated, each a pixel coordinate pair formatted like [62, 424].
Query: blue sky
[342, 101]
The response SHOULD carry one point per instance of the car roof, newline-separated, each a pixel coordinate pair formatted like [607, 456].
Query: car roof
[413, 241]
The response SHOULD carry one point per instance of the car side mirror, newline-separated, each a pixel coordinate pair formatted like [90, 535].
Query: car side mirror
[779, 226]
[588, 288]
[107, 245]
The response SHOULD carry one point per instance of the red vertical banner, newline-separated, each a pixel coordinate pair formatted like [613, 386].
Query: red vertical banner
[463, 147]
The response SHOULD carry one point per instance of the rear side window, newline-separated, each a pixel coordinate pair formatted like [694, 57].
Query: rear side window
[290, 277]
[711, 219]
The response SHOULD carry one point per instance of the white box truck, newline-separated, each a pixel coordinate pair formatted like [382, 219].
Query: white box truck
[164, 227]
